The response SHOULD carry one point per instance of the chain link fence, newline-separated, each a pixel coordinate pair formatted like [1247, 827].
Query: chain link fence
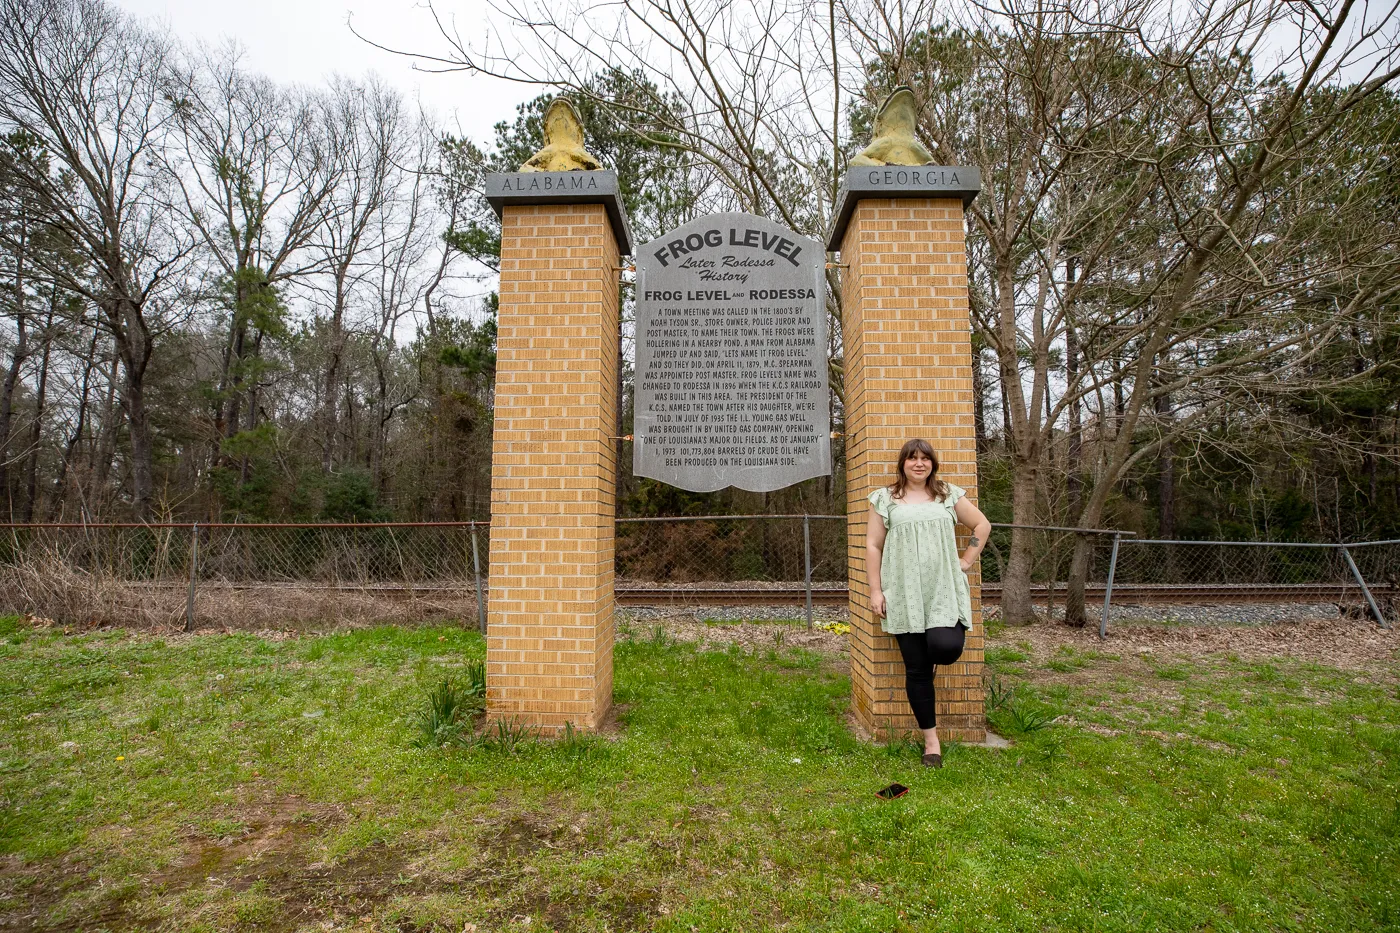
[1319, 578]
[1128, 578]
[302, 575]
[244, 575]
[732, 560]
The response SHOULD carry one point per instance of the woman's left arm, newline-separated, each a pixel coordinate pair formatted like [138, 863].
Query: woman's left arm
[971, 516]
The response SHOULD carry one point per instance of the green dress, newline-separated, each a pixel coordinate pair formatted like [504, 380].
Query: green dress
[924, 583]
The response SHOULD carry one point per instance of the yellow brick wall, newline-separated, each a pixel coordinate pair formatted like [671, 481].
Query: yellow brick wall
[554, 469]
[906, 337]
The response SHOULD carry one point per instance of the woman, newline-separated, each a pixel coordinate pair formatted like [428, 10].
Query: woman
[918, 584]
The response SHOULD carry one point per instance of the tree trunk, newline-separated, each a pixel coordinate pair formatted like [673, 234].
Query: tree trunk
[1023, 445]
[233, 390]
[7, 394]
[1075, 615]
[1074, 473]
[142, 446]
[134, 348]
[380, 438]
[7, 402]
[1016, 605]
[251, 419]
[979, 402]
[330, 414]
[31, 485]
[106, 446]
[1166, 469]
[60, 486]
[225, 407]
[1074, 488]
[1005, 414]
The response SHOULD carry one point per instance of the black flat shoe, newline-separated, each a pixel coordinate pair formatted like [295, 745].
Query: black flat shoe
[933, 760]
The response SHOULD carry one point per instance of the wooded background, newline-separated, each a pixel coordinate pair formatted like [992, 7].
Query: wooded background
[225, 299]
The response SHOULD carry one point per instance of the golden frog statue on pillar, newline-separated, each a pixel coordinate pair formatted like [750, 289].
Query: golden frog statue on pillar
[563, 143]
[895, 142]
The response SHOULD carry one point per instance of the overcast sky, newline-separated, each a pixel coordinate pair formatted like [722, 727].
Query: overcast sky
[304, 41]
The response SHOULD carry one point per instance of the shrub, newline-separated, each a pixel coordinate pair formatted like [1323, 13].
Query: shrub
[449, 709]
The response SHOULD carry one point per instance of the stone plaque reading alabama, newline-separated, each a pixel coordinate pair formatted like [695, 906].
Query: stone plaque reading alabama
[731, 385]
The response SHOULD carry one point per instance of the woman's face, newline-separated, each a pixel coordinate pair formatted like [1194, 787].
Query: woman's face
[917, 468]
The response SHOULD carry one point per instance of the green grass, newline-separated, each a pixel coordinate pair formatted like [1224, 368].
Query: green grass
[274, 785]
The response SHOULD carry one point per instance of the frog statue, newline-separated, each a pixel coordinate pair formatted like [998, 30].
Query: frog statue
[563, 143]
[895, 142]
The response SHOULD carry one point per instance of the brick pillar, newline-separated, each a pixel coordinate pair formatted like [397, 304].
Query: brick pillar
[906, 337]
[554, 466]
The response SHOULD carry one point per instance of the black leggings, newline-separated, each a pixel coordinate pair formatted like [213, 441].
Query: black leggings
[922, 652]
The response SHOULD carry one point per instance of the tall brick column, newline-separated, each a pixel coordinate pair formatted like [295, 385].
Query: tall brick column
[553, 453]
[906, 337]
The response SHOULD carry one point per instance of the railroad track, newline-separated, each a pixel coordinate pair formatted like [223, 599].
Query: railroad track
[1123, 594]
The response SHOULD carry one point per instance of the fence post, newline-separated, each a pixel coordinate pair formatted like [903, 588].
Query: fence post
[1108, 588]
[807, 563]
[476, 572]
[1356, 572]
[194, 575]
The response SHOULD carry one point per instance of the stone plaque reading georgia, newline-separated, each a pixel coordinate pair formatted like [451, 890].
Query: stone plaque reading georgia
[731, 385]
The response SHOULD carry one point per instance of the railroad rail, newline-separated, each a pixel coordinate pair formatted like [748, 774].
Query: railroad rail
[1123, 593]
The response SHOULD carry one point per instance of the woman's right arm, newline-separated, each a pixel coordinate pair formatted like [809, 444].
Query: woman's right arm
[874, 550]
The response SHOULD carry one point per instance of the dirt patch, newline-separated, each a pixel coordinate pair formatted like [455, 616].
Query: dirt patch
[29, 893]
[275, 851]
[1339, 643]
[272, 844]
[626, 908]
[505, 873]
[523, 834]
[614, 724]
[267, 835]
[306, 893]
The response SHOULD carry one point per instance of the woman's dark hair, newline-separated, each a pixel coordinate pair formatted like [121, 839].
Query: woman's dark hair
[937, 489]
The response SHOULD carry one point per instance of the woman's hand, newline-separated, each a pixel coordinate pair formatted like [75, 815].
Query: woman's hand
[966, 563]
[877, 602]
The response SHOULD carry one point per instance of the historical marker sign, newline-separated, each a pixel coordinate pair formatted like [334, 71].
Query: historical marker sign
[731, 386]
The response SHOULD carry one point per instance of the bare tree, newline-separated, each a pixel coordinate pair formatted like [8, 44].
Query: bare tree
[413, 260]
[1220, 243]
[1121, 219]
[19, 223]
[79, 427]
[91, 88]
[366, 129]
[253, 171]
